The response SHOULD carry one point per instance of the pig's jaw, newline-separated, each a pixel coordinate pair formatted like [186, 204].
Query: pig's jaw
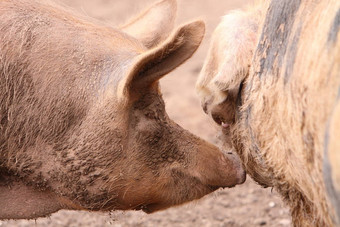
[154, 207]
[175, 195]
[172, 187]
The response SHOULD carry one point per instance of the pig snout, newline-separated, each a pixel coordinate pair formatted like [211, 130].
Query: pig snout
[231, 159]
[221, 169]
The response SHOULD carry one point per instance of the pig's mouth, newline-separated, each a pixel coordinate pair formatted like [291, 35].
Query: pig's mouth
[144, 208]
[150, 208]
[225, 114]
[175, 194]
[153, 207]
[214, 188]
[221, 120]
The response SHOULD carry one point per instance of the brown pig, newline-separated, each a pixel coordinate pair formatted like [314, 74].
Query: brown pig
[82, 119]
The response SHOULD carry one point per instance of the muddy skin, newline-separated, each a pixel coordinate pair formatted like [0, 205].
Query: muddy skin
[88, 128]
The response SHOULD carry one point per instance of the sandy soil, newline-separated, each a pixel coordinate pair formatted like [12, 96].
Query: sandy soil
[245, 205]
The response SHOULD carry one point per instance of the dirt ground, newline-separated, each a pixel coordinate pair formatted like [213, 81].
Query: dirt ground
[245, 205]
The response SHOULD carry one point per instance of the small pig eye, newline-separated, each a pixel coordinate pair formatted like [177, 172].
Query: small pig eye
[150, 115]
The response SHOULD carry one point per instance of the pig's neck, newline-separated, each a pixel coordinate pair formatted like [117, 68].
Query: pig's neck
[20, 201]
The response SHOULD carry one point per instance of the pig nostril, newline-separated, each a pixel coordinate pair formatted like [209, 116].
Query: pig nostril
[230, 152]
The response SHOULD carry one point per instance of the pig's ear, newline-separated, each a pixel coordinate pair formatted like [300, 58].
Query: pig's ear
[153, 25]
[155, 63]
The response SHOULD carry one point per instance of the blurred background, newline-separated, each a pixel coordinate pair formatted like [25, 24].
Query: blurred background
[245, 205]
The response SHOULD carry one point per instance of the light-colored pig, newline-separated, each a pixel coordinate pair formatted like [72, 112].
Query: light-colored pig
[272, 81]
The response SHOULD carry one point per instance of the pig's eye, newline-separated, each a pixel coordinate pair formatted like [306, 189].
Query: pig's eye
[151, 115]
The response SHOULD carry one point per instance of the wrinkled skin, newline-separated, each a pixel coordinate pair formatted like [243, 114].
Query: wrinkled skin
[82, 120]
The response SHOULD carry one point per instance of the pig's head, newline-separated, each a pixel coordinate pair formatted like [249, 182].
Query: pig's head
[124, 152]
[163, 165]
[227, 65]
[220, 85]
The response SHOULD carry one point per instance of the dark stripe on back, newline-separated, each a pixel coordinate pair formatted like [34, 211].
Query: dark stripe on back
[327, 168]
[275, 36]
[333, 32]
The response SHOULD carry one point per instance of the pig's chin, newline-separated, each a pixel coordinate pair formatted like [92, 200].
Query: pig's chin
[153, 207]
[150, 208]
[201, 192]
